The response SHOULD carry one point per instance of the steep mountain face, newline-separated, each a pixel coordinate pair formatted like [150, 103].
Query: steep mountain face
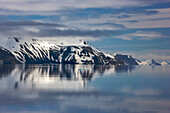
[86, 55]
[40, 52]
[128, 60]
[147, 62]
[6, 57]
[36, 53]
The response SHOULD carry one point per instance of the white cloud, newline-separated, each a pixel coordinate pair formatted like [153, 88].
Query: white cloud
[142, 35]
[53, 7]
[32, 29]
[155, 18]
[161, 19]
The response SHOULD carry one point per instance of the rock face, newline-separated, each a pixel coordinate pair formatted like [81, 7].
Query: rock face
[128, 60]
[6, 57]
[42, 52]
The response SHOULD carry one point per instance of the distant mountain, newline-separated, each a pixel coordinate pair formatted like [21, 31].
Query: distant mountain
[147, 62]
[128, 60]
[163, 63]
[42, 52]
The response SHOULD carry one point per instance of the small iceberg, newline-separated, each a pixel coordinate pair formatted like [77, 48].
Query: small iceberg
[81, 69]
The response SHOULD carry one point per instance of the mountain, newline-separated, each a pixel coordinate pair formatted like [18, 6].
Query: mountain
[42, 52]
[163, 63]
[128, 60]
[147, 62]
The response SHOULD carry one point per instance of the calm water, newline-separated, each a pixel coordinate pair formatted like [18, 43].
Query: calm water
[84, 89]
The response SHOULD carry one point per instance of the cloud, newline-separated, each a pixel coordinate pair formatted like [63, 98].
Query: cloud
[50, 6]
[105, 26]
[53, 5]
[159, 19]
[28, 23]
[69, 32]
[51, 31]
[103, 18]
[31, 29]
[132, 21]
[141, 35]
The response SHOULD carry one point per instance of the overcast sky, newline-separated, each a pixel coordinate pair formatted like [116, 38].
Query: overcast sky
[136, 27]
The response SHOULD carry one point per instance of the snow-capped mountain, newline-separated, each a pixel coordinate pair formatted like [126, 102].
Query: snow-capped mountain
[147, 62]
[35, 51]
[163, 63]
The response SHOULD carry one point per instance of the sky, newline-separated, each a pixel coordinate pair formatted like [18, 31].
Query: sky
[140, 28]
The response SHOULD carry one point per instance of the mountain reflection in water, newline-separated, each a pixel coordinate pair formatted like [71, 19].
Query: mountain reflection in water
[84, 89]
[57, 77]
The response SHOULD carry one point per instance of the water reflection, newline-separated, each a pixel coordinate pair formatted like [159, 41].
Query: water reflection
[84, 88]
[56, 77]
[5, 70]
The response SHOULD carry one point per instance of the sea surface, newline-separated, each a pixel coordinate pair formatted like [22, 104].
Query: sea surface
[84, 89]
